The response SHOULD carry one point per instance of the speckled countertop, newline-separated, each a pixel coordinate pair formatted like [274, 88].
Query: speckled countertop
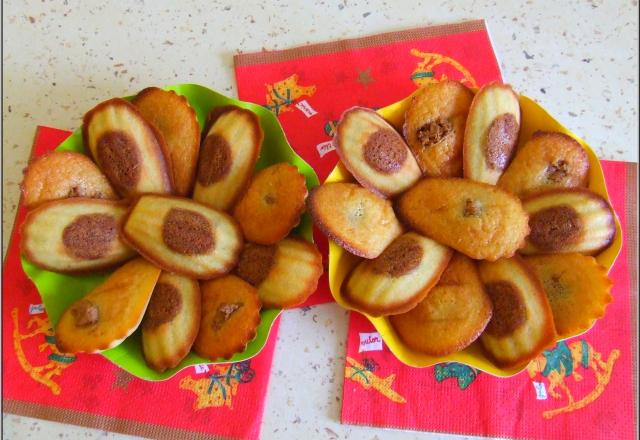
[579, 58]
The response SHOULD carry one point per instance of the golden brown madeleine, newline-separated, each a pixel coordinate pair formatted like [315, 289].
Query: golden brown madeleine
[61, 175]
[547, 160]
[568, 220]
[477, 219]
[182, 236]
[399, 278]
[434, 127]
[285, 274]
[353, 217]
[522, 323]
[374, 153]
[577, 287]
[127, 148]
[491, 133]
[230, 317]
[108, 314]
[229, 152]
[272, 205]
[75, 235]
[171, 322]
[453, 314]
[176, 121]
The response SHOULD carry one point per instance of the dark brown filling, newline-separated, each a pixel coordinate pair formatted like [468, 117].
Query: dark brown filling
[509, 311]
[255, 263]
[384, 151]
[85, 313]
[401, 257]
[501, 141]
[472, 208]
[557, 172]
[215, 160]
[90, 236]
[187, 232]
[165, 304]
[223, 314]
[119, 159]
[434, 131]
[555, 228]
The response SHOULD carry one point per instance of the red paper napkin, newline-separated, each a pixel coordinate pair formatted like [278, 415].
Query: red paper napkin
[88, 390]
[309, 87]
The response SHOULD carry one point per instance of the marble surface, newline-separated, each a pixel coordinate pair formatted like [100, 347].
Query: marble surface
[579, 58]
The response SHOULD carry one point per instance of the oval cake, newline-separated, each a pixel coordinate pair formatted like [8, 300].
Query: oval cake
[75, 235]
[477, 219]
[171, 322]
[111, 312]
[182, 236]
[491, 133]
[374, 153]
[434, 127]
[399, 278]
[228, 154]
[176, 121]
[568, 220]
[127, 148]
[354, 217]
[62, 175]
[522, 322]
[285, 274]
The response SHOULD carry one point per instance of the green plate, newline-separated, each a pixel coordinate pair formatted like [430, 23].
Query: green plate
[59, 291]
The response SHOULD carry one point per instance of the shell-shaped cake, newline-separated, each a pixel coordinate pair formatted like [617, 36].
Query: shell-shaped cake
[577, 287]
[182, 236]
[547, 160]
[272, 205]
[522, 322]
[354, 217]
[228, 154]
[285, 274]
[62, 175]
[75, 235]
[399, 278]
[127, 148]
[434, 127]
[477, 219]
[176, 121]
[491, 133]
[230, 317]
[568, 220]
[171, 322]
[374, 153]
[453, 314]
[109, 313]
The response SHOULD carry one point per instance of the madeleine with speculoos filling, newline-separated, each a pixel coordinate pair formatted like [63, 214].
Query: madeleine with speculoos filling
[75, 235]
[230, 148]
[568, 220]
[129, 150]
[374, 153]
[285, 274]
[521, 325]
[491, 133]
[171, 322]
[182, 236]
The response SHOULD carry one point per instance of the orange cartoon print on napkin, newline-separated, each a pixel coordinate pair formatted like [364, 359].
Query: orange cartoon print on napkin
[364, 374]
[562, 362]
[220, 386]
[283, 94]
[56, 362]
[426, 72]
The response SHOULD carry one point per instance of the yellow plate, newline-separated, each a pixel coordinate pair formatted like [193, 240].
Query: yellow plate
[341, 262]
